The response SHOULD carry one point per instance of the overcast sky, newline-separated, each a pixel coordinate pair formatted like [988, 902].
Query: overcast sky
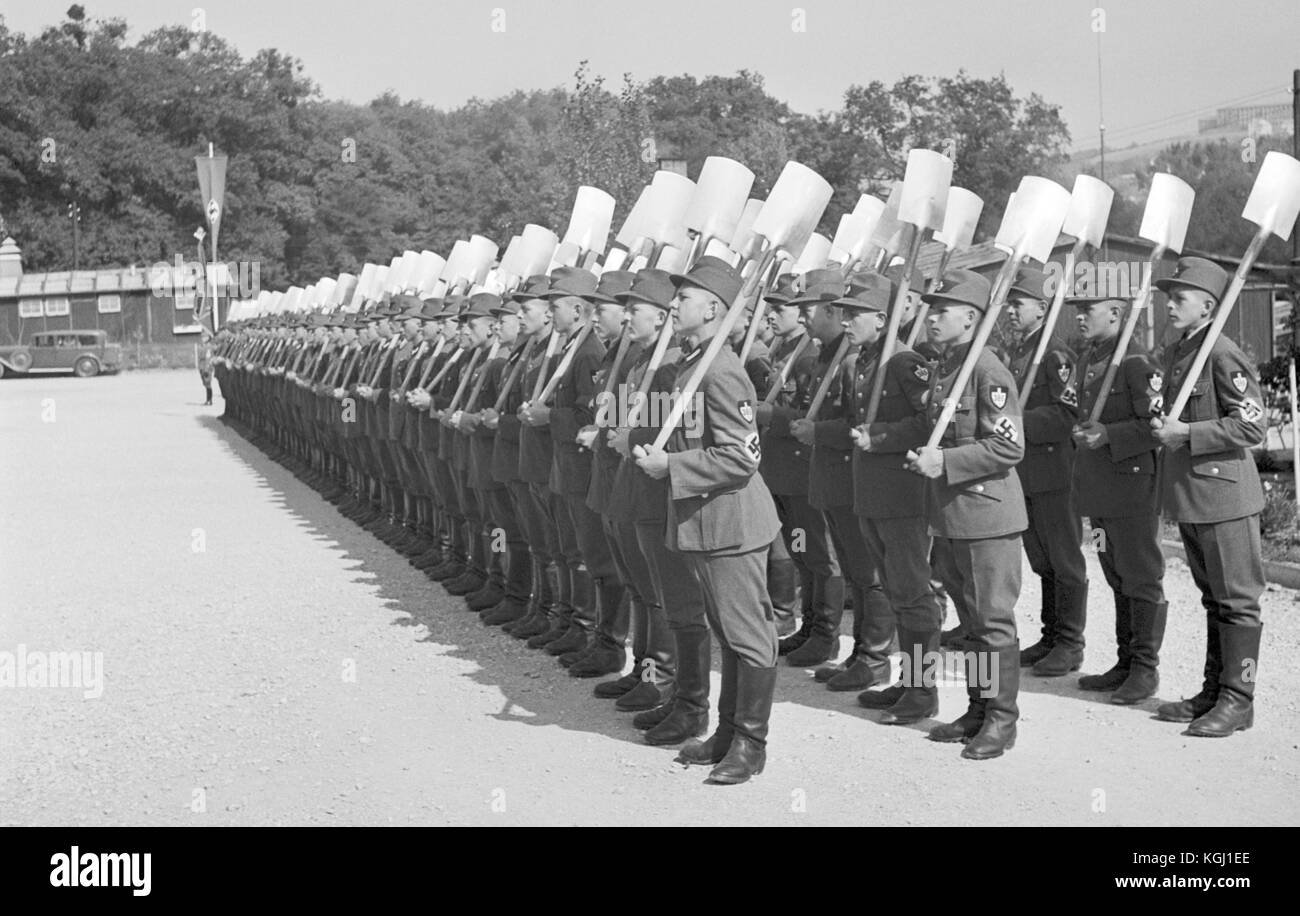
[1164, 62]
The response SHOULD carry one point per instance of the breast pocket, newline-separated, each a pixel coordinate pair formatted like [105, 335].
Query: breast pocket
[1200, 405]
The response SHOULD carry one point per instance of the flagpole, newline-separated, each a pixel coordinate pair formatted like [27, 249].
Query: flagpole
[216, 320]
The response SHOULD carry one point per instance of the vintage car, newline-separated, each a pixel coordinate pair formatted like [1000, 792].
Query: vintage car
[83, 353]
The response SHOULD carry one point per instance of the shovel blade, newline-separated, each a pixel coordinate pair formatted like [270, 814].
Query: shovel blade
[1090, 203]
[1168, 211]
[961, 215]
[1274, 200]
[925, 189]
[793, 209]
[719, 197]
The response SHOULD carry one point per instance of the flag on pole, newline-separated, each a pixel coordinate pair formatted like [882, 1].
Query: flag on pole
[212, 189]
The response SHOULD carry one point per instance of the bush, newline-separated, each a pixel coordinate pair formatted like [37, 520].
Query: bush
[1278, 521]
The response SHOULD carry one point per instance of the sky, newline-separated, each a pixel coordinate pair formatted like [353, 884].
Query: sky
[1164, 63]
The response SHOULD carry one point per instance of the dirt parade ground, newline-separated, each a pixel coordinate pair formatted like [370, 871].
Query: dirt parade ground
[263, 661]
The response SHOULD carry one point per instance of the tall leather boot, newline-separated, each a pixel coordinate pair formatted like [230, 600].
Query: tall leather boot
[494, 587]
[998, 731]
[809, 597]
[969, 723]
[920, 697]
[457, 555]
[561, 610]
[582, 597]
[475, 569]
[1066, 654]
[688, 715]
[1234, 711]
[518, 587]
[1196, 706]
[658, 660]
[1038, 651]
[824, 638]
[535, 570]
[747, 755]
[712, 749]
[606, 653]
[1118, 672]
[869, 664]
[548, 583]
[1148, 628]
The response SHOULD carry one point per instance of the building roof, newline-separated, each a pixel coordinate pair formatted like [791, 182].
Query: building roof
[73, 282]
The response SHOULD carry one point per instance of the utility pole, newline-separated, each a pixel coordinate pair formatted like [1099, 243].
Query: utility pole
[74, 214]
[1295, 146]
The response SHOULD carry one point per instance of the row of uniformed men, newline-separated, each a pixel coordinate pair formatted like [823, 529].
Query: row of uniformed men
[445, 445]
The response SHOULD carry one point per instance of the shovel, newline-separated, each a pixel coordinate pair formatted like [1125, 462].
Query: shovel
[1164, 223]
[960, 217]
[1035, 216]
[1085, 221]
[1273, 205]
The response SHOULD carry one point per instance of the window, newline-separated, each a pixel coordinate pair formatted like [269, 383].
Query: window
[88, 340]
[109, 304]
[54, 307]
[30, 308]
[43, 340]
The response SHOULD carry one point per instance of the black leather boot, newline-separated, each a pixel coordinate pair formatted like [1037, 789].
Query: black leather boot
[689, 714]
[997, 734]
[823, 640]
[645, 695]
[1111, 679]
[1196, 706]
[968, 724]
[748, 752]
[557, 619]
[1234, 710]
[1066, 654]
[782, 587]
[874, 631]
[712, 749]
[1148, 627]
[809, 595]
[515, 603]
[582, 594]
[1039, 650]
[920, 697]
[612, 690]
[606, 653]
[542, 602]
[881, 699]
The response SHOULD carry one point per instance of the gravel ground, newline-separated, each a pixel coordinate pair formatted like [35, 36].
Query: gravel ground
[267, 662]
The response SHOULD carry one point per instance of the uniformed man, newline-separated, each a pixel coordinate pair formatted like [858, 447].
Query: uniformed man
[1210, 487]
[830, 491]
[1053, 541]
[785, 467]
[722, 519]
[889, 500]
[1115, 489]
[975, 503]
[203, 358]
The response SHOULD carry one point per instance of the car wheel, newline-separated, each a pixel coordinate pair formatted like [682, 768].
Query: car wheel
[20, 360]
[2, 370]
[86, 367]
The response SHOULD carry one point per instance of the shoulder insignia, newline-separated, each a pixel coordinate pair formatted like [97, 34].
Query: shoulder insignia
[1155, 380]
[922, 372]
[998, 395]
[1006, 429]
[1063, 373]
[1240, 382]
[747, 410]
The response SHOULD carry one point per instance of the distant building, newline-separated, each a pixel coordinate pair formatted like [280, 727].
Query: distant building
[1258, 120]
[125, 302]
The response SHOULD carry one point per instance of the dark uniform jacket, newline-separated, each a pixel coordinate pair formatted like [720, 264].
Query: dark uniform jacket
[1212, 478]
[1118, 480]
[505, 446]
[978, 494]
[535, 441]
[830, 473]
[785, 459]
[882, 485]
[572, 410]
[1049, 415]
[605, 461]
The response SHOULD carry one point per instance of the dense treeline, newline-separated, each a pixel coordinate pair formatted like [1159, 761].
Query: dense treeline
[318, 186]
